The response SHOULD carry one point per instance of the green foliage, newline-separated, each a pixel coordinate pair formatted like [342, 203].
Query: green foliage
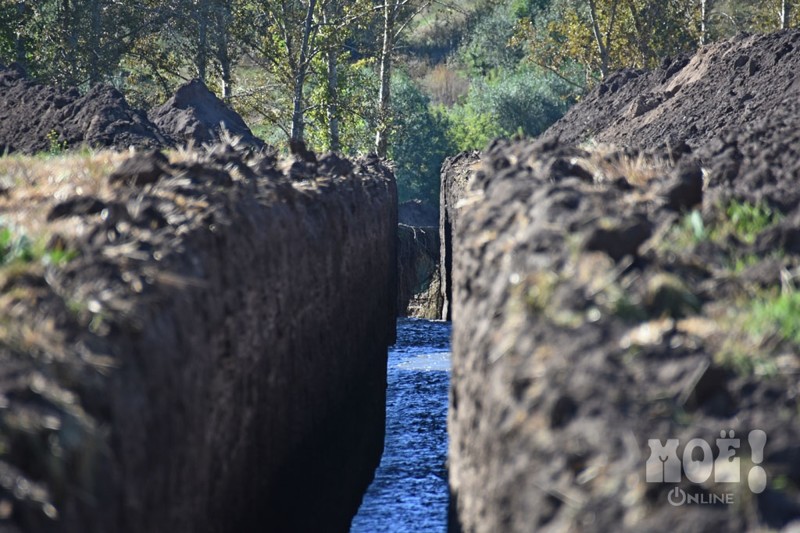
[418, 142]
[778, 314]
[490, 45]
[612, 35]
[694, 223]
[748, 220]
[523, 102]
[741, 219]
[55, 146]
[16, 247]
[357, 87]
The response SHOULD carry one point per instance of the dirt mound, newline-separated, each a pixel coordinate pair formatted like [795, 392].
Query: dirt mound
[35, 118]
[604, 298]
[196, 114]
[694, 98]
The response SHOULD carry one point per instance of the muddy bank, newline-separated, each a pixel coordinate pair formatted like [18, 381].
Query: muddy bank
[192, 351]
[603, 300]
[418, 292]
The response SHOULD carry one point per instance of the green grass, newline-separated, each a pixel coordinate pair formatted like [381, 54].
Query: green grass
[748, 220]
[743, 220]
[778, 314]
[14, 247]
[760, 329]
[18, 248]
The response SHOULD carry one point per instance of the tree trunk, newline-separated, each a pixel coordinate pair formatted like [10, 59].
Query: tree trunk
[641, 35]
[201, 59]
[784, 14]
[598, 37]
[20, 41]
[384, 96]
[333, 101]
[705, 9]
[94, 42]
[223, 20]
[298, 112]
[70, 42]
[332, 110]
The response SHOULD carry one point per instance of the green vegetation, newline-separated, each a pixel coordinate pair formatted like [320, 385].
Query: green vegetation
[758, 329]
[17, 248]
[748, 220]
[412, 79]
[777, 314]
[56, 146]
[14, 247]
[743, 220]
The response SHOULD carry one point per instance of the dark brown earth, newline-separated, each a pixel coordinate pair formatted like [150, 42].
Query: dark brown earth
[195, 114]
[36, 118]
[585, 326]
[208, 360]
[608, 295]
[722, 88]
[418, 291]
[418, 213]
[456, 171]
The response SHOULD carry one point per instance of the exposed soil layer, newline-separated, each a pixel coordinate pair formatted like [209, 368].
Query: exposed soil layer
[418, 213]
[418, 290]
[194, 351]
[456, 171]
[591, 315]
[639, 286]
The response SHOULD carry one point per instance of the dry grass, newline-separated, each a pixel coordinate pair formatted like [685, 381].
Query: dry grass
[31, 185]
[610, 163]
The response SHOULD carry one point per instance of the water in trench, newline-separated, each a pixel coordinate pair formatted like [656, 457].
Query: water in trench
[410, 490]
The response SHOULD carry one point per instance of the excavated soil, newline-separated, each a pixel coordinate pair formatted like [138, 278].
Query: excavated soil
[185, 341]
[39, 118]
[735, 104]
[36, 118]
[696, 98]
[195, 114]
[632, 276]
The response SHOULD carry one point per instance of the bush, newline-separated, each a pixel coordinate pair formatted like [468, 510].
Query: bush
[524, 102]
[418, 142]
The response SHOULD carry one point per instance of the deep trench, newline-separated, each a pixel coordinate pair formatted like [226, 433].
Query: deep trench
[410, 489]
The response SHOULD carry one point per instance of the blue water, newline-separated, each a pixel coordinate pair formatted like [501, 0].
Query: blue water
[410, 491]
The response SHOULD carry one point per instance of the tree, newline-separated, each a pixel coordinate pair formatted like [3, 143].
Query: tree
[603, 35]
[289, 35]
[397, 14]
[419, 141]
[526, 102]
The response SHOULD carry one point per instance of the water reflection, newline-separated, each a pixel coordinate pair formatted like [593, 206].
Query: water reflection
[409, 492]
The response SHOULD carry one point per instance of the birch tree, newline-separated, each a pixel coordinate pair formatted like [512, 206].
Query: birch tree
[397, 15]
